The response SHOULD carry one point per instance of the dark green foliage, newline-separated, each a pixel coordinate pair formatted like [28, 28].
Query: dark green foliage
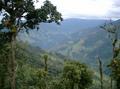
[56, 84]
[115, 68]
[46, 59]
[4, 61]
[31, 73]
[15, 11]
[101, 72]
[77, 74]
[48, 13]
[21, 15]
[113, 30]
[33, 69]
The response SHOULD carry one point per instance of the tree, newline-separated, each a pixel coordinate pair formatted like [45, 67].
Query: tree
[41, 79]
[77, 75]
[4, 62]
[113, 30]
[21, 15]
[45, 57]
[101, 71]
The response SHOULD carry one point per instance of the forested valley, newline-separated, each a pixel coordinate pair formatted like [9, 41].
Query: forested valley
[39, 49]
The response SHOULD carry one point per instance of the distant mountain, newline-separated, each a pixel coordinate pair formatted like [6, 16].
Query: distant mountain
[55, 35]
[76, 38]
[87, 47]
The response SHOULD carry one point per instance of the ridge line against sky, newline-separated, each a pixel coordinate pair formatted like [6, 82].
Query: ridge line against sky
[86, 9]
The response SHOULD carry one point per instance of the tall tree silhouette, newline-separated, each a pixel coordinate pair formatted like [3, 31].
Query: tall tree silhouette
[21, 15]
[113, 30]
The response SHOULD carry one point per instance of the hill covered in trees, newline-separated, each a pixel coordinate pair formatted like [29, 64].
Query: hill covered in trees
[56, 56]
[76, 38]
[31, 62]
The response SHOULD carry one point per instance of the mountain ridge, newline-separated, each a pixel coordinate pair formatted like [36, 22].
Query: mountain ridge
[72, 40]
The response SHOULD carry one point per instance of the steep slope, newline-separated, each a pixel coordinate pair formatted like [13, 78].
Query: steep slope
[87, 47]
[75, 38]
[30, 60]
[92, 43]
[51, 36]
[33, 56]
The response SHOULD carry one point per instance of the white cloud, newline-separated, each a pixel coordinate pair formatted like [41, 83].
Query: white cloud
[86, 8]
[83, 8]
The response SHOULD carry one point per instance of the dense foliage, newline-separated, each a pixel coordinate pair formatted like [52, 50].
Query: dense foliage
[23, 66]
[113, 30]
[20, 15]
[77, 75]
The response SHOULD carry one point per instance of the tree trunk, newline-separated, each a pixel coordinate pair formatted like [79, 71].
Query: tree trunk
[2, 82]
[46, 66]
[101, 72]
[72, 85]
[111, 83]
[13, 60]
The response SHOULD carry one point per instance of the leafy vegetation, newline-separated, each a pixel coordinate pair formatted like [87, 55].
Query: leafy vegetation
[26, 66]
[22, 15]
[113, 31]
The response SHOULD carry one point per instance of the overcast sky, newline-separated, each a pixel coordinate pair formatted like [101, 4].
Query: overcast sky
[88, 9]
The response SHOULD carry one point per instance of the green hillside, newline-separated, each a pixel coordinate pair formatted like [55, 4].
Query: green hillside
[94, 42]
[75, 38]
[76, 48]
[34, 57]
[30, 60]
